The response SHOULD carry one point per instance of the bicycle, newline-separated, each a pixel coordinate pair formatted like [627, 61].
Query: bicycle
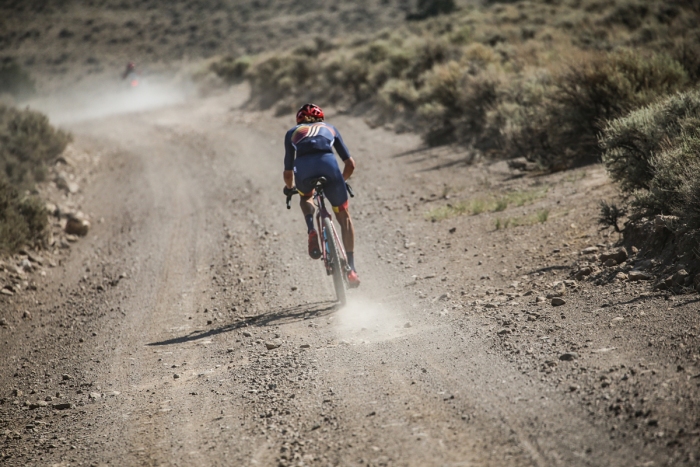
[332, 252]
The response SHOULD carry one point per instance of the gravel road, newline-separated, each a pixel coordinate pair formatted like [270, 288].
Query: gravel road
[190, 327]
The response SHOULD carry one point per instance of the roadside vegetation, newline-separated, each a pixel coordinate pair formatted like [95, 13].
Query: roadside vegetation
[27, 144]
[492, 203]
[510, 79]
[654, 155]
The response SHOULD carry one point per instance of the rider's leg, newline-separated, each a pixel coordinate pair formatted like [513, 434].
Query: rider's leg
[347, 231]
[307, 207]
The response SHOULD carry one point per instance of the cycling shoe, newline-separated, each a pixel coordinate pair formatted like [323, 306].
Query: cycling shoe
[314, 248]
[353, 280]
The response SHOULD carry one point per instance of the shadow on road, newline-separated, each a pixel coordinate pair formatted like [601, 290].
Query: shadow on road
[282, 316]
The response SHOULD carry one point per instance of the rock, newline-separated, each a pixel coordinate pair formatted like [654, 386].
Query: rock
[37, 405]
[620, 256]
[583, 272]
[176, 376]
[272, 345]
[662, 222]
[680, 276]
[570, 283]
[621, 276]
[247, 334]
[77, 226]
[568, 356]
[26, 265]
[95, 395]
[66, 377]
[503, 332]
[408, 325]
[558, 301]
[304, 346]
[540, 300]
[590, 250]
[610, 263]
[6, 291]
[17, 393]
[639, 276]
[63, 406]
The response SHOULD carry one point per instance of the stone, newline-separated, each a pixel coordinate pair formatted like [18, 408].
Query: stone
[304, 346]
[639, 276]
[37, 404]
[610, 262]
[621, 276]
[408, 325]
[272, 345]
[6, 291]
[17, 393]
[503, 332]
[540, 300]
[176, 376]
[77, 226]
[63, 406]
[680, 276]
[590, 250]
[620, 256]
[95, 395]
[26, 315]
[66, 377]
[247, 334]
[558, 301]
[568, 356]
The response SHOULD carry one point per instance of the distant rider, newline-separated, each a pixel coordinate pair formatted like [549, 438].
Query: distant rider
[130, 70]
[309, 154]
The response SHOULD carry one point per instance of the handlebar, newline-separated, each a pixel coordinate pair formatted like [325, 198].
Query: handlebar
[351, 192]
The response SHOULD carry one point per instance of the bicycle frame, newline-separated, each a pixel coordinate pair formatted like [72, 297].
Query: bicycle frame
[322, 213]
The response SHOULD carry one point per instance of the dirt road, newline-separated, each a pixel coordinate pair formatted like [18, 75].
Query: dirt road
[153, 333]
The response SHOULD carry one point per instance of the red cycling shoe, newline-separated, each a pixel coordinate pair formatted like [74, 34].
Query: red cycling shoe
[314, 248]
[353, 280]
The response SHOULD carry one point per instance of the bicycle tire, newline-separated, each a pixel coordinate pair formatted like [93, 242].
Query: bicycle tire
[335, 258]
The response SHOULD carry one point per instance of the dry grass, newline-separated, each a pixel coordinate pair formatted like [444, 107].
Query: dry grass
[492, 203]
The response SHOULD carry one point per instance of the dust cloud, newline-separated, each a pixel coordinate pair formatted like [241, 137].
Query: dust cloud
[102, 99]
[365, 320]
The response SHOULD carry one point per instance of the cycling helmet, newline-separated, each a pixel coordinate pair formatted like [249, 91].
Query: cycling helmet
[309, 110]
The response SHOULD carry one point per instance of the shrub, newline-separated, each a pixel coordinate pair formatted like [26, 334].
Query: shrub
[231, 70]
[428, 8]
[585, 97]
[631, 143]
[27, 143]
[14, 80]
[22, 221]
[456, 103]
[660, 146]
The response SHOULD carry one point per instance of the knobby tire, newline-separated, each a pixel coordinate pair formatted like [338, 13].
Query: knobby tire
[336, 263]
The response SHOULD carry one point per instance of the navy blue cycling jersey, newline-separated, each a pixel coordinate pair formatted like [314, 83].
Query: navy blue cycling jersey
[312, 139]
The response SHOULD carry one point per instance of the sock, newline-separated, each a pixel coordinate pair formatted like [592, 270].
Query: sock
[309, 218]
[351, 260]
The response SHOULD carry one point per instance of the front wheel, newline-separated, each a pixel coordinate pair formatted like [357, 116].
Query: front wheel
[336, 261]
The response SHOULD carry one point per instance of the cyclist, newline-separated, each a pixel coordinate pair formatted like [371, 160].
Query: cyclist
[308, 154]
[130, 70]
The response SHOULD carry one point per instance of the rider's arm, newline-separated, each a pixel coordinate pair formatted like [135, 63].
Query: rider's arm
[340, 146]
[289, 153]
[349, 168]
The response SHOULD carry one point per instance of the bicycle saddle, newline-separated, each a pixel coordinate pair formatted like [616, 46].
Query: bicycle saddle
[318, 181]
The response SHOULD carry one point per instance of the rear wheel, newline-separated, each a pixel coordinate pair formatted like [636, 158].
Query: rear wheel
[336, 261]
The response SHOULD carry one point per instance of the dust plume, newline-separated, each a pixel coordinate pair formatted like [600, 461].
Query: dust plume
[101, 99]
[365, 320]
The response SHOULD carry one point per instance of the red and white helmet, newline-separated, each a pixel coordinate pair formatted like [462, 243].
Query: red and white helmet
[309, 110]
